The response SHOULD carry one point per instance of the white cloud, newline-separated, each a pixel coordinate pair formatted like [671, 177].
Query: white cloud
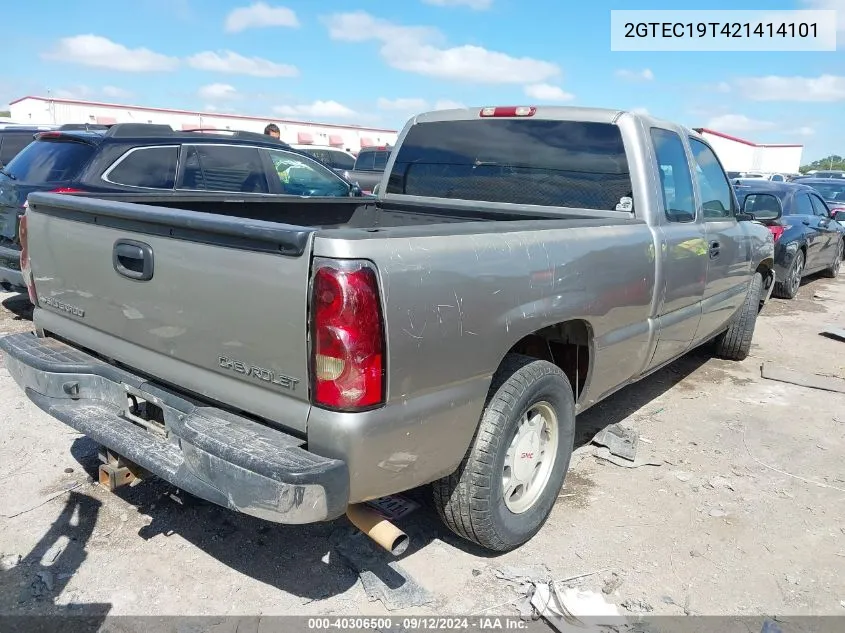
[635, 75]
[803, 131]
[477, 5]
[547, 92]
[446, 104]
[218, 92]
[825, 88]
[233, 63]
[101, 52]
[830, 5]
[402, 105]
[723, 87]
[260, 15]
[318, 109]
[76, 92]
[116, 93]
[737, 123]
[422, 51]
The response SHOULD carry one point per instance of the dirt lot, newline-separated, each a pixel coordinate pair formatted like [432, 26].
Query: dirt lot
[745, 513]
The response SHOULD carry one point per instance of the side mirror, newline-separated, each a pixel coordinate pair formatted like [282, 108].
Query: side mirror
[839, 216]
[376, 189]
[355, 190]
[763, 207]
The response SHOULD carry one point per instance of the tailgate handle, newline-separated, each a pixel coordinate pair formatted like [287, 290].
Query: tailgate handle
[133, 259]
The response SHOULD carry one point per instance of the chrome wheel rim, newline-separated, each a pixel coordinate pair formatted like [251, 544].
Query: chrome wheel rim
[795, 277]
[530, 458]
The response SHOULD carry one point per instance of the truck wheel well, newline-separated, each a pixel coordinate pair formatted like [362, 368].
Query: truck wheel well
[567, 345]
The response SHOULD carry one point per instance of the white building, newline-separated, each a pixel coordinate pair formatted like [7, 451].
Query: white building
[43, 110]
[740, 155]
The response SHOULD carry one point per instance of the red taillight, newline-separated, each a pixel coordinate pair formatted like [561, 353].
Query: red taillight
[42, 135]
[26, 268]
[777, 230]
[347, 336]
[508, 111]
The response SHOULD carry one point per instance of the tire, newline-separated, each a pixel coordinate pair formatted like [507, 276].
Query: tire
[471, 501]
[735, 343]
[832, 271]
[788, 288]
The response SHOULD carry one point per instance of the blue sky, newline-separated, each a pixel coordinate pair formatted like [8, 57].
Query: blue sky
[376, 63]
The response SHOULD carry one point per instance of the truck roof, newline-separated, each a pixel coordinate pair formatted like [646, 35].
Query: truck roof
[562, 113]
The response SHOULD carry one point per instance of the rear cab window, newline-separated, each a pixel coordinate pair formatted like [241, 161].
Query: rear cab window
[11, 143]
[50, 160]
[232, 168]
[573, 164]
[365, 161]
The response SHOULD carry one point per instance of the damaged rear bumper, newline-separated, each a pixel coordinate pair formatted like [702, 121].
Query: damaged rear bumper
[223, 458]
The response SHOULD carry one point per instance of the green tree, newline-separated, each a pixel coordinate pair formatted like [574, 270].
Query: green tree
[5, 113]
[831, 162]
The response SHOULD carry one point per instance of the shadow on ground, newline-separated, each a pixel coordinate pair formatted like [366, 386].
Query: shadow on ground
[28, 589]
[294, 558]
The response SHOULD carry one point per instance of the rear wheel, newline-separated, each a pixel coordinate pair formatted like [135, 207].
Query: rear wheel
[788, 288]
[508, 482]
[832, 272]
[735, 343]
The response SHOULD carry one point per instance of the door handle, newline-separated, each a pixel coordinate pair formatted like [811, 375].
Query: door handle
[714, 249]
[805, 222]
[133, 260]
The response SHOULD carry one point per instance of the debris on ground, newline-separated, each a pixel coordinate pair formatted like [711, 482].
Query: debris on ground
[9, 561]
[611, 584]
[620, 440]
[834, 332]
[637, 605]
[382, 579]
[604, 453]
[812, 381]
[719, 482]
[682, 476]
[563, 608]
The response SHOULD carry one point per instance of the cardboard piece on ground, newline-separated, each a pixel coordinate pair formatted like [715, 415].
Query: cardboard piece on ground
[812, 381]
[568, 609]
[619, 440]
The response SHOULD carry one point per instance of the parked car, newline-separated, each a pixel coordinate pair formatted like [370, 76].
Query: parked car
[339, 160]
[133, 157]
[519, 266]
[832, 191]
[807, 239]
[13, 138]
[369, 167]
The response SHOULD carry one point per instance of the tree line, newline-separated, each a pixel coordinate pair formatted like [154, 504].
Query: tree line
[831, 162]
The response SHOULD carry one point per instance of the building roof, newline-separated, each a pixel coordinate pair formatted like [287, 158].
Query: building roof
[200, 113]
[735, 139]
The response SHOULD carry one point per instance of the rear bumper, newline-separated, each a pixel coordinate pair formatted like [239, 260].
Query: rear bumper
[10, 273]
[213, 454]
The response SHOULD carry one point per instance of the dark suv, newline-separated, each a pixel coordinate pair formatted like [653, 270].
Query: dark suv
[13, 138]
[137, 157]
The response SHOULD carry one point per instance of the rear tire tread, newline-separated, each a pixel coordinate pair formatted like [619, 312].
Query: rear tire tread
[735, 343]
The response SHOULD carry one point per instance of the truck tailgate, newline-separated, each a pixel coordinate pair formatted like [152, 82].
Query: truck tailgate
[223, 314]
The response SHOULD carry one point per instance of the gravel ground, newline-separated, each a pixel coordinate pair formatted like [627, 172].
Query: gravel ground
[745, 513]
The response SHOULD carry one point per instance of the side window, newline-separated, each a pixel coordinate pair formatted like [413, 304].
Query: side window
[778, 178]
[147, 167]
[224, 168]
[716, 193]
[803, 205]
[365, 161]
[380, 160]
[675, 178]
[340, 160]
[819, 207]
[302, 177]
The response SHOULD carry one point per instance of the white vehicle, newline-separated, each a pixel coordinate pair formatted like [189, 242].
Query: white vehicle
[336, 158]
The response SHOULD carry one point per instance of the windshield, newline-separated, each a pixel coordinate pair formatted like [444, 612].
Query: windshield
[573, 164]
[831, 191]
[49, 161]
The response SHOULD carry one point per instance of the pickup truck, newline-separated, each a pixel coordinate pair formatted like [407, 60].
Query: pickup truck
[369, 168]
[289, 359]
